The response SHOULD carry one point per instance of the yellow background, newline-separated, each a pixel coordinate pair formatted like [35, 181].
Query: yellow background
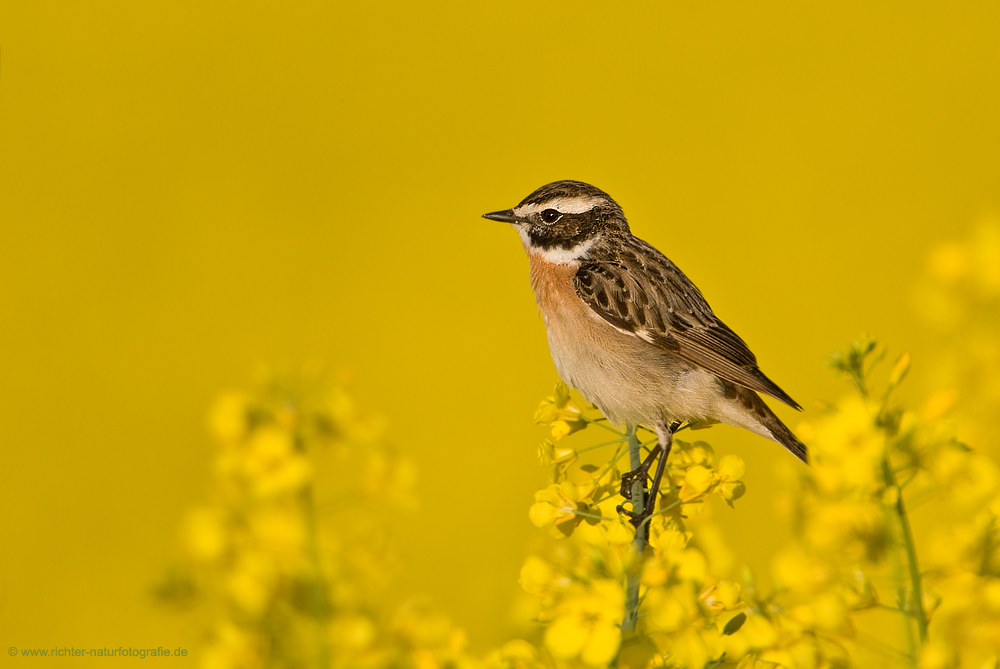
[187, 188]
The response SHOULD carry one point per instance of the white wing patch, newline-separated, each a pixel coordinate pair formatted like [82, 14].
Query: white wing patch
[644, 335]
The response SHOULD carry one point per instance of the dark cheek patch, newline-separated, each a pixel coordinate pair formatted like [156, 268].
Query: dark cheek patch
[569, 232]
[546, 240]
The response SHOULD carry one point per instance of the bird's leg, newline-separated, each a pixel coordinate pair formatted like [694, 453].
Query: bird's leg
[665, 438]
[638, 474]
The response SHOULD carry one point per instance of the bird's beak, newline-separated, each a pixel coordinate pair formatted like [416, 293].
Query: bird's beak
[504, 216]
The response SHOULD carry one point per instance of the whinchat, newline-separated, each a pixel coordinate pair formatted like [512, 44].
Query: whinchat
[629, 330]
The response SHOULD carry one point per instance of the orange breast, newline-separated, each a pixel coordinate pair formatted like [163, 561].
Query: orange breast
[553, 284]
[620, 373]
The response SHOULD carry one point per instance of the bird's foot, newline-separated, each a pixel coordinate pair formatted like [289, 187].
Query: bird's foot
[638, 519]
[665, 433]
[640, 473]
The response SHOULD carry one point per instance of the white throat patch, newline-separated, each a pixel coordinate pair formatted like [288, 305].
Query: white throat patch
[555, 256]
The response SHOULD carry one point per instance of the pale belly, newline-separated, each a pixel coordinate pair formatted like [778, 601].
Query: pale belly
[630, 380]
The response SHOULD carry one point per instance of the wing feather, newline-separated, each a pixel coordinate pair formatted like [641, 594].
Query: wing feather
[641, 292]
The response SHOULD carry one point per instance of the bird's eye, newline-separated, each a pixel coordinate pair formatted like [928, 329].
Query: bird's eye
[551, 215]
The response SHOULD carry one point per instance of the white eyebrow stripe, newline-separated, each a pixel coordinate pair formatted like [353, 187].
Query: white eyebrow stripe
[564, 205]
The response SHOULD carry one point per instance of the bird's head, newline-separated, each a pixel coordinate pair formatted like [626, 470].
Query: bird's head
[562, 216]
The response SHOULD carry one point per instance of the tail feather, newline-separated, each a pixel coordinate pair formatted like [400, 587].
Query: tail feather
[777, 393]
[779, 432]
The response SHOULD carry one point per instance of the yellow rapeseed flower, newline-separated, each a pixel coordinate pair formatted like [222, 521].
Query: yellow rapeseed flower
[540, 578]
[618, 531]
[685, 454]
[730, 470]
[802, 572]
[697, 480]
[273, 466]
[758, 632]
[421, 626]
[587, 623]
[353, 632]
[231, 648]
[281, 530]
[694, 647]
[252, 580]
[555, 504]
[516, 654]
[560, 413]
[206, 534]
[856, 527]
[848, 446]
[549, 454]
[668, 609]
[227, 420]
[724, 595]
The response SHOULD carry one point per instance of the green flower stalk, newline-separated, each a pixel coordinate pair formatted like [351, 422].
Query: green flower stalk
[639, 542]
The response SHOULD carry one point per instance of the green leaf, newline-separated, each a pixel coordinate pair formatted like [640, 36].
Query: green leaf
[734, 624]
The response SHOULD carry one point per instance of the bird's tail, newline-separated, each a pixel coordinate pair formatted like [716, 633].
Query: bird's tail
[779, 432]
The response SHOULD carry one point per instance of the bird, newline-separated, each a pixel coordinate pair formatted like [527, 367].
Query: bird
[631, 332]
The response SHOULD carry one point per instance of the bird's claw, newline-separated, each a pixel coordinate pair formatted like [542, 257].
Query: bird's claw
[640, 473]
[637, 519]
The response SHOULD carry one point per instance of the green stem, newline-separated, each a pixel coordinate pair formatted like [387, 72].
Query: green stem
[611, 465]
[614, 461]
[639, 543]
[584, 514]
[595, 446]
[917, 608]
[881, 647]
[604, 425]
[317, 594]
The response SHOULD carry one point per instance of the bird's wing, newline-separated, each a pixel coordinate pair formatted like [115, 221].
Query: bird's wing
[646, 295]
